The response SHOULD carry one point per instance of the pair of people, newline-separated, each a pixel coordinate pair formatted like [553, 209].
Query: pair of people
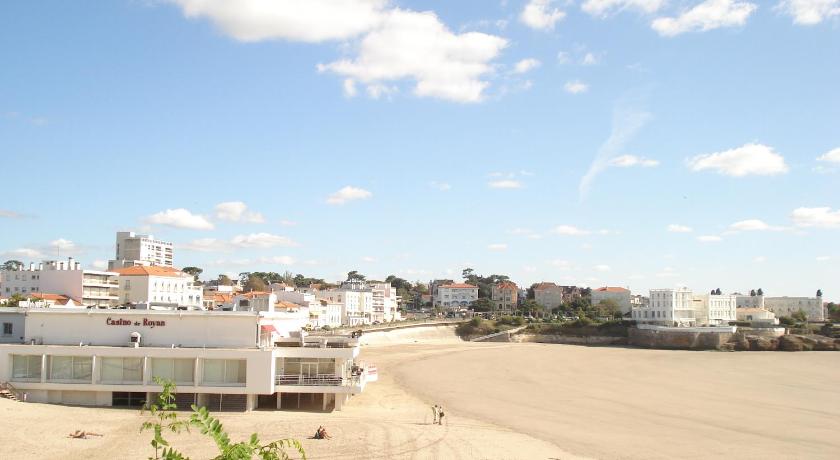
[321, 433]
[437, 413]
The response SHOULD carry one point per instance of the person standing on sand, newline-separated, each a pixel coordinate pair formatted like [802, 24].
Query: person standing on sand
[440, 415]
[434, 414]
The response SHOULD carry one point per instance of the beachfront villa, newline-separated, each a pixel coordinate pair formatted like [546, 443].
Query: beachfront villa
[226, 361]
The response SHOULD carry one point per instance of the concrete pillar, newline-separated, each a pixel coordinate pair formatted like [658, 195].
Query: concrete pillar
[147, 371]
[326, 396]
[43, 368]
[93, 368]
[279, 399]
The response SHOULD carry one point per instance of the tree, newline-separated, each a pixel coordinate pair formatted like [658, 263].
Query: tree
[718, 292]
[752, 292]
[800, 316]
[15, 300]
[11, 265]
[194, 271]
[167, 420]
[608, 308]
[254, 283]
[481, 305]
[355, 276]
[759, 291]
[819, 292]
[225, 280]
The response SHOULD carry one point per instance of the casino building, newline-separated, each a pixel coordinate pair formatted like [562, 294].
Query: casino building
[226, 361]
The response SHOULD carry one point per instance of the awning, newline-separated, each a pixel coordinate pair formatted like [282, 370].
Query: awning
[268, 328]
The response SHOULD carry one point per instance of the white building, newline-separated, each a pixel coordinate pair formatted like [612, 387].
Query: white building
[66, 278]
[356, 304]
[221, 360]
[133, 249]
[158, 287]
[321, 311]
[714, 310]
[667, 307]
[757, 315]
[385, 304]
[786, 306]
[455, 296]
[619, 295]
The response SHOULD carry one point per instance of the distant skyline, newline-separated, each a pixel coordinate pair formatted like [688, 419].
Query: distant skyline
[635, 143]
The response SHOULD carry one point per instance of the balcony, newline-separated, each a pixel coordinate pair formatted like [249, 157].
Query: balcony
[99, 283]
[310, 380]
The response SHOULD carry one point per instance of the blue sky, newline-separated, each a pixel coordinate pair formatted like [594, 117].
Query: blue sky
[639, 143]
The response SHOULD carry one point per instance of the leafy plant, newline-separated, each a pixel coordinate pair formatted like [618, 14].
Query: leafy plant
[167, 420]
[246, 450]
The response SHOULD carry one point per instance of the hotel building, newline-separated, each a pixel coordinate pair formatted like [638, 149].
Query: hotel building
[156, 286]
[133, 249]
[786, 306]
[66, 278]
[455, 296]
[619, 295]
[682, 308]
[226, 361]
[504, 297]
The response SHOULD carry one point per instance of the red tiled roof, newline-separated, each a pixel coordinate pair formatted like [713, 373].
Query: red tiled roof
[459, 286]
[612, 289]
[57, 298]
[143, 270]
[545, 285]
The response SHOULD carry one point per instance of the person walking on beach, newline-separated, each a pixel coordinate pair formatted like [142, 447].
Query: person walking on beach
[434, 414]
[440, 415]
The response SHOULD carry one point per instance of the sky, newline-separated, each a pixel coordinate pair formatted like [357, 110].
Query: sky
[636, 143]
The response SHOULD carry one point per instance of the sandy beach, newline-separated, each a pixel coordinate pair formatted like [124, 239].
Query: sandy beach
[512, 401]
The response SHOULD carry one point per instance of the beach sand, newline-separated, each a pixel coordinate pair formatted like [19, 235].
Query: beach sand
[510, 401]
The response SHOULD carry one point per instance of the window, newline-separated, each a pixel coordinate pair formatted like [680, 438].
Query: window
[75, 368]
[26, 367]
[122, 370]
[179, 370]
[7, 329]
[224, 371]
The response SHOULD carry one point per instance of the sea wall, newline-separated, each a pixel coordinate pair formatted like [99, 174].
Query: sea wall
[679, 339]
[592, 340]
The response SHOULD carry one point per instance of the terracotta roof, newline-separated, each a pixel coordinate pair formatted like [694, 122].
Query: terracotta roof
[612, 289]
[287, 305]
[460, 286]
[507, 285]
[221, 297]
[143, 270]
[252, 294]
[57, 298]
[545, 285]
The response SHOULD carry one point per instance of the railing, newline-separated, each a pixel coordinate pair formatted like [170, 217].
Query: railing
[307, 380]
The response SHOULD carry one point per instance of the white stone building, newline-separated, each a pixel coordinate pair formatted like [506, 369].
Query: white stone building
[455, 296]
[385, 304]
[161, 287]
[786, 306]
[714, 310]
[226, 361]
[134, 249]
[356, 304]
[667, 307]
[66, 278]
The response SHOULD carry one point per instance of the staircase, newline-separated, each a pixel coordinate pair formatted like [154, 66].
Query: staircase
[503, 336]
[8, 391]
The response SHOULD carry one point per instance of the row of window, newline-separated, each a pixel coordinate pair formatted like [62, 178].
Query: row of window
[118, 370]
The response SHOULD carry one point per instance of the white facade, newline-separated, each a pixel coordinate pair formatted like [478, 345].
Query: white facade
[786, 306]
[321, 311]
[356, 304]
[222, 360]
[384, 298]
[67, 278]
[455, 296]
[133, 249]
[714, 310]
[158, 286]
[667, 307]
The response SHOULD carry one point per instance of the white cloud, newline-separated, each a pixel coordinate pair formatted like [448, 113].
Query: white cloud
[180, 218]
[505, 184]
[709, 239]
[205, 245]
[569, 230]
[24, 253]
[541, 14]
[832, 156]
[711, 14]
[280, 260]
[823, 258]
[760, 259]
[306, 21]
[602, 268]
[261, 240]
[348, 193]
[561, 264]
[349, 87]
[237, 211]
[749, 159]
[563, 57]
[752, 225]
[676, 228]
[390, 43]
[526, 65]
[288, 223]
[408, 45]
[626, 161]
[667, 272]
[497, 247]
[576, 87]
[62, 244]
[810, 12]
[369, 259]
[378, 90]
[589, 59]
[626, 122]
[442, 186]
[822, 217]
[606, 7]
